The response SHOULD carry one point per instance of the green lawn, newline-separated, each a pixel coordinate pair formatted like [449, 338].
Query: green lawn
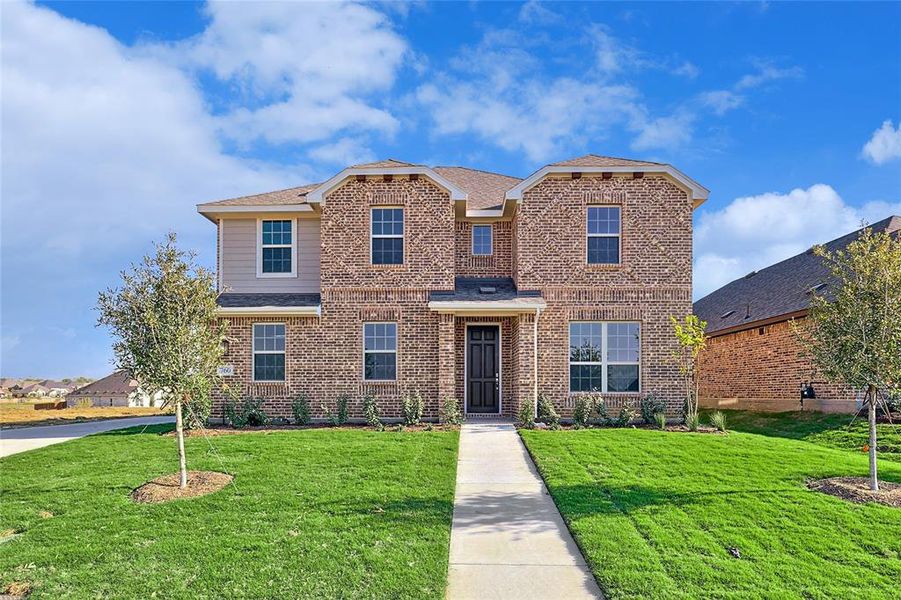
[656, 512]
[313, 514]
[830, 430]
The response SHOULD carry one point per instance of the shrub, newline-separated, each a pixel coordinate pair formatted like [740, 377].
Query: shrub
[330, 417]
[300, 409]
[660, 419]
[412, 406]
[718, 420]
[692, 421]
[582, 411]
[547, 413]
[526, 415]
[341, 402]
[371, 411]
[248, 412]
[651, 406]
[450, 411]
[601, 410]
[626, 414]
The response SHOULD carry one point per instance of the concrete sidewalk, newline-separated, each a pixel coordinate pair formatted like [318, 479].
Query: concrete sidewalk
[508, 540]
[13, 441]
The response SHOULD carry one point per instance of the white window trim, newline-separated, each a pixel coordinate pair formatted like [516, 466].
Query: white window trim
[394, 352]
[619, 236]
[254, 352]
[373, 236]
[293, 246]
[472, 248]
[604, 363]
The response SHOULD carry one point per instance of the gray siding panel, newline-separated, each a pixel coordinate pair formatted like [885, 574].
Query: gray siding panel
[239, 259]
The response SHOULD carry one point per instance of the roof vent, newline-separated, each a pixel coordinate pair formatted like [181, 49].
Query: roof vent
[727, 314]
[748, 311]
[816, 288]
[487, 289]
[751, 274]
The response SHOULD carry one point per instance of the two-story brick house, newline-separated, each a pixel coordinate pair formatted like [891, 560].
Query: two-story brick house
[458, 282]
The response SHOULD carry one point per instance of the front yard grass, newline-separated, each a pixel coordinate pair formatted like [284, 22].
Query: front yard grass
[656, 514]
[830, 430]
[323, 513]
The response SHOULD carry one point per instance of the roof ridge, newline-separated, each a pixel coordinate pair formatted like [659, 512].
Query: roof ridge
[476, 170]
[287, 189]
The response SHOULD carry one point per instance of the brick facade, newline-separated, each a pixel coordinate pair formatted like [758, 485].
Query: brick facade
[542, 248]
[762, 368]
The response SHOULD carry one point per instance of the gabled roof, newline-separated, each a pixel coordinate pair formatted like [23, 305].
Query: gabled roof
[115, 383]
[595, 160]
[384, 164]
[485, 190]
[780, 290]
[592, 163]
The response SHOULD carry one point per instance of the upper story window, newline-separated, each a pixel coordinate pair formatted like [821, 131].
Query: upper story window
[603, 235]
[269, 352]
[604, 357]
[380, 351]
[482, 240]
[277, 248]
[387, 236]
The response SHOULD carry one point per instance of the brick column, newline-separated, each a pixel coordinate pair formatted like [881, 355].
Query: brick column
[447, 380]
[525, 350]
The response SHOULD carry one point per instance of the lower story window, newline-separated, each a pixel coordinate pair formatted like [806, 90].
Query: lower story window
[380, 351]
[604, 357]
[268, 352]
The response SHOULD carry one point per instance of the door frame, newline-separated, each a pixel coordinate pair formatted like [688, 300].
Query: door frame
[500, 366]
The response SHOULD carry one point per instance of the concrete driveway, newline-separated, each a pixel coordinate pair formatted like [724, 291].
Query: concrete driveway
[13, 441]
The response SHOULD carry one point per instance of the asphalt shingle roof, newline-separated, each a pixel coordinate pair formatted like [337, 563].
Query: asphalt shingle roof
[475, 289]
[236, 300]
[781, 289]
[115, 383]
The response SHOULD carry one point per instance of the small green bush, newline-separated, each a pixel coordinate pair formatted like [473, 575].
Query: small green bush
[718, 420]
[247, 413]
[341, 416]
[412, 406]
[330, 417]
[526, 415]
[547, 413]
[603, 417]
[450, 411]
[692, 421]
[300, 409]
[582, 411]
[371, 411]
[650, 407]
[625, 416]
[660, 419]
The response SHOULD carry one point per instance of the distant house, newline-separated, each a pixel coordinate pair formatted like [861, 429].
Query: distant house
[6, 385]
[117, 389]
[57, 389]
[753, 360]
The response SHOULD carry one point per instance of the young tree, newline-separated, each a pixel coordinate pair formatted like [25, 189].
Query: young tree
[163, 318]
[692, 340]
[853, 334]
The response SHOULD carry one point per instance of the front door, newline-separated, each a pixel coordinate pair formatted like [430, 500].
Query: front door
[483, 376]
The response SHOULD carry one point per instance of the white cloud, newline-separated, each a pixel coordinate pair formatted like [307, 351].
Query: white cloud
[767, 72]
[664, 132]
[721, 101]
[885, 144]
[534, 11]
[687, 69]
[308, 69]
[344, 152]
[756, 231]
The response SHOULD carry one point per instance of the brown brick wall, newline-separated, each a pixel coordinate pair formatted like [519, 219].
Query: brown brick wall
[429, 238]
[499, 264]
[763, 369]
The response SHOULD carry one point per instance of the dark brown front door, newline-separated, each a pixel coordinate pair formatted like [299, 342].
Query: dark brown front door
[483, 375]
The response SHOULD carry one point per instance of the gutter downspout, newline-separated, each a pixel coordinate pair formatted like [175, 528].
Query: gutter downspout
[535, 361]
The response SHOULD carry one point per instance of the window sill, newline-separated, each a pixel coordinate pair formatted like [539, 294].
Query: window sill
[275, 275]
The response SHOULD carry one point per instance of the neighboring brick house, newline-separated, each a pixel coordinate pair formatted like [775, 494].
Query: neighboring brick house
[394, 277]
[753, 358]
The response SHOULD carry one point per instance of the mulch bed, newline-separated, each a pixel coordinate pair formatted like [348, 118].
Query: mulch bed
[857, 489]
[165, 488]
[217, 430]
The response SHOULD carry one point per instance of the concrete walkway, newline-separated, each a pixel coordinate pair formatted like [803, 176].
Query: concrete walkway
[13, 441]
[508, 540]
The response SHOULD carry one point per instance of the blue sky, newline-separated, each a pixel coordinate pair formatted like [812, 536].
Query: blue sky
[118, 118]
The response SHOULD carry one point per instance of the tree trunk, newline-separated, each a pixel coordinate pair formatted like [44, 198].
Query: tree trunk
[871, 400]
[180, 434]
